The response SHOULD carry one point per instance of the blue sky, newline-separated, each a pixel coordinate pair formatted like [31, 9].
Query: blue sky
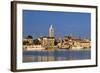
[37, 23]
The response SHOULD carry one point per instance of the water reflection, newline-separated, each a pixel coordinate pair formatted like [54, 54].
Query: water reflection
[56, 55]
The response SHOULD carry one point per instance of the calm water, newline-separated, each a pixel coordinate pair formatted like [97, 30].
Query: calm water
[56, 55]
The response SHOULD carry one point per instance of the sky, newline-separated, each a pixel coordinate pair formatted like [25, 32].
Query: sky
[37, 23]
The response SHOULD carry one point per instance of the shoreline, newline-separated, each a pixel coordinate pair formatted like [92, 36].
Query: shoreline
[62, 50]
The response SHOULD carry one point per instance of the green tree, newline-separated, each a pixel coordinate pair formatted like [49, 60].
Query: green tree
[36, 42]
[29, 37]
[25, 43]
[55, 42]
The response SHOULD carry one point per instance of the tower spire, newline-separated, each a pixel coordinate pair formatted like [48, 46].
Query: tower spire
[51, 31]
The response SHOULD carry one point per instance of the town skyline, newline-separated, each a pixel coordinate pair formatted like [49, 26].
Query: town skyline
[36, 23]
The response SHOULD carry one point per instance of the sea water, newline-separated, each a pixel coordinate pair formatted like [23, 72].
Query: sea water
[55, 55]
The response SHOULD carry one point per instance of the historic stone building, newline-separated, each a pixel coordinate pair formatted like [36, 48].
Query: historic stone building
[48, 42]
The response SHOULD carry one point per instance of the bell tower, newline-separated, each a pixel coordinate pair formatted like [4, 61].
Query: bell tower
[51, 31]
